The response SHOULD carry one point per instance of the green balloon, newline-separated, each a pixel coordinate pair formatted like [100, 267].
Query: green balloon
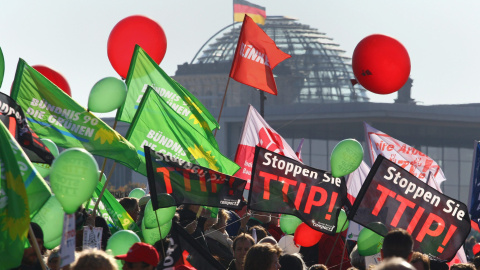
[120, 242]
[346, 157]
[107, 95]
[164, 214]
[289, 223]
[151, 236]
[54, 243]
[50, 219]
[342, 221]
[73, 178]
[2, 67]
[137, 193]
[370, 242]
[43, 168]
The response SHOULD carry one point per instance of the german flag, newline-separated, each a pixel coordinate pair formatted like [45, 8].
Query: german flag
[256, 12]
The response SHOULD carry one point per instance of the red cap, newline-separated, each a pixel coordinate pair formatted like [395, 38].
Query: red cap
[141, 252]
[476, 249]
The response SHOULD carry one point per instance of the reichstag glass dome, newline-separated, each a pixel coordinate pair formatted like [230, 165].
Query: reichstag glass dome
[321, 72]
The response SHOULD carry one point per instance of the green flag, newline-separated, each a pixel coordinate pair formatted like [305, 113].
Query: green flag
[112, 211]
[54, 115]
[143, 72]
[161, 128]
[14, 214]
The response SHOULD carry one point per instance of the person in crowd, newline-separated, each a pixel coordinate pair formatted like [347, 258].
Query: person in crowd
[241, 244]
[30, 260]
[357, 260]
[188, 220]
[468, 247]
[82, 218]
[53, 260]
[397, 243]
[292, 262]
[476, 262]
[420, 261]
[94, 259]
[318, 267]
[219, 244]
[257, 232]
[438, 265]
[131, 206]
[462, 266]
[142, 203]
[324, 252]
[269, 240]
[263, 257]
[140, 256]
[394, 263]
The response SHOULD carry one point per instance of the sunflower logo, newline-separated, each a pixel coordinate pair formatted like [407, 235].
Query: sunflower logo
[104, 135]
[201, 153]
[15, 217]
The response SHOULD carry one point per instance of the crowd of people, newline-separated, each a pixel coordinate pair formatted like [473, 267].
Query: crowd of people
[238, 241]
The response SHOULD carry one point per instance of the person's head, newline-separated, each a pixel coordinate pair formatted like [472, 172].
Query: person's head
[269, 240]
[29, 255]
[420, 261]
[223, 218]
[357, 260]
[131, 206]
[476, 261]
[318, 267]
[462, 266]
[241, 244]
[397, 243]
[394, 263]
[209, 222]
[260, 232]
[263, 257]
[53, 261]
[94, 259]
[292, 262]
[140, 256]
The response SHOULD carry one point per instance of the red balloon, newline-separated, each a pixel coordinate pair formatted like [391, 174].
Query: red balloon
[476, 248]
[381, 64]
[306, 236]
[130, 31]
[54, 77]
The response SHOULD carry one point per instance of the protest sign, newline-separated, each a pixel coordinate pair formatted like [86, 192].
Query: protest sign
[67, 247]
[190, 183]
[395, 198]
[283, 185]
[92, 237]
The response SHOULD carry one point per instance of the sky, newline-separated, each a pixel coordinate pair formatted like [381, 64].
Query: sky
[441, 37]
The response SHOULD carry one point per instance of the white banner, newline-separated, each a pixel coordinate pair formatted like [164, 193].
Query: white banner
[409, 158]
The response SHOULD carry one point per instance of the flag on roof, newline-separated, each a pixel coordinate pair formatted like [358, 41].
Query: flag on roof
[242, 8]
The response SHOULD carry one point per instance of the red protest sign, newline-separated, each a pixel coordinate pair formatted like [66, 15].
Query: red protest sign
[283, 185]
[392, 196]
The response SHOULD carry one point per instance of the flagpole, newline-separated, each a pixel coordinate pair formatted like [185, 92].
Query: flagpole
[103, 189]
[160, 231]
[221, 107]
[262, 103]
[335, 243]
[35, 246]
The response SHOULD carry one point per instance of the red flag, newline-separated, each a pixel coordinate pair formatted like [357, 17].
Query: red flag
[255, 58]
[256, 131]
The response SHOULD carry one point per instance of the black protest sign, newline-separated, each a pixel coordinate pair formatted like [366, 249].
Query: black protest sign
[283, 185]
[190, 183]
[395, 198]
